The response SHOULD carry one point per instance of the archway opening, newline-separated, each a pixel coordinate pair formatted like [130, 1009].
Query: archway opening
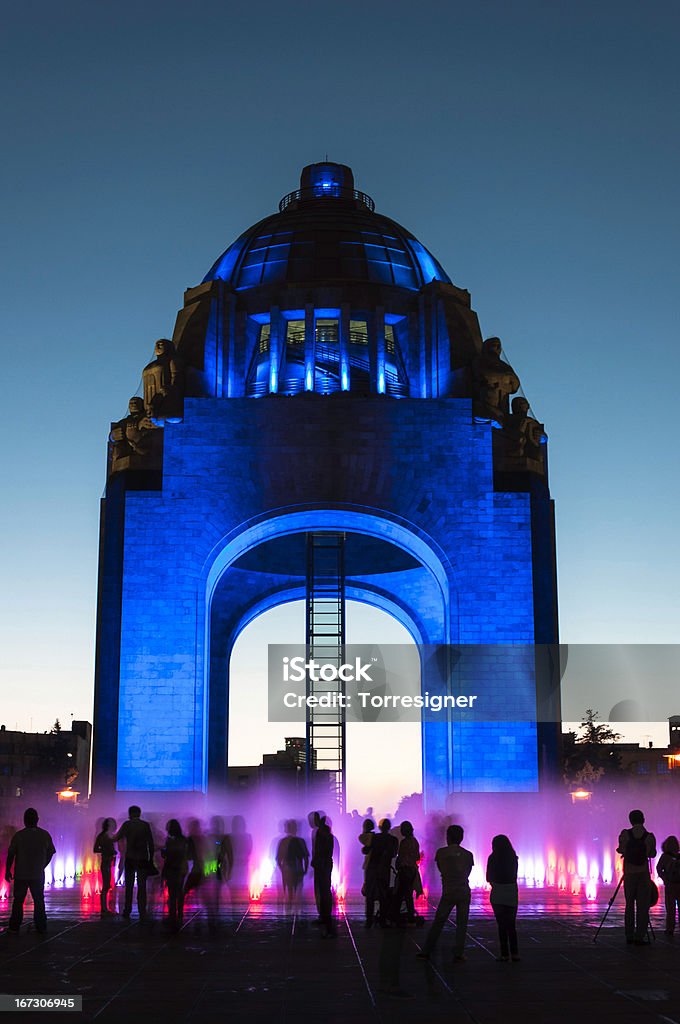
[384, 760]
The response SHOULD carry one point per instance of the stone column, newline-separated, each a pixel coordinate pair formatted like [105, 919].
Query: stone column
[310, 347]
[380, 385]
[371, 330]
[425, 348]
[274, 349]
[343, 328]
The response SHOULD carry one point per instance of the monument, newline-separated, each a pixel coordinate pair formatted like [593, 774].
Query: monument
[327, 422]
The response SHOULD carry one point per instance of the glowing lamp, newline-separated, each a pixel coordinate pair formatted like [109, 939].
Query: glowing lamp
[68, 795]
[673, 760]
[580, 796]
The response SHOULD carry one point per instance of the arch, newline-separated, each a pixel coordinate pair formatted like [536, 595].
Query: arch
[361, 595]
[347, 520]
[218, 648]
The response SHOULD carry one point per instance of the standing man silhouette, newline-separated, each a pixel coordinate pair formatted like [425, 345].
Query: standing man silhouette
[139, 851]
[30, 851]
[455, 865]
[322, 862]
[384, 847]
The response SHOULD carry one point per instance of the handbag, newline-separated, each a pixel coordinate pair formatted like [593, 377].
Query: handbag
[150, 869]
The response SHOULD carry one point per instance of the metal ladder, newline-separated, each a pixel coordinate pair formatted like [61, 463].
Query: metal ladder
[325, 639]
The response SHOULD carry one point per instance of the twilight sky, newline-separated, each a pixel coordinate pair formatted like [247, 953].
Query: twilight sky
[532, 147]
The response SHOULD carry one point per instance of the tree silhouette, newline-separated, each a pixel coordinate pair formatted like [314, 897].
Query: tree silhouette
[590, 754]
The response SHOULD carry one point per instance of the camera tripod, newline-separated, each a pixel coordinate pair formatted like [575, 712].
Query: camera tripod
[650, 930]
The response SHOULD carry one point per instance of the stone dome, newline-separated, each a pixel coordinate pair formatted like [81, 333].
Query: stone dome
[325, 232]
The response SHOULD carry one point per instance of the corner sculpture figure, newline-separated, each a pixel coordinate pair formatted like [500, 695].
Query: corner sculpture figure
[162, 379]
[494, 381]
[524, 435]
[132, 435]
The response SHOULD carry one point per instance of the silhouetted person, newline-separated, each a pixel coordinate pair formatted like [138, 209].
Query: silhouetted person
[322, 862]
[408, 857]
[668, 870]
[222, 848]
[370, 887]
[292, 858]
[197, 854]
[313, 819]
[365, 838]
[435, 826]
[216, 843]
[30, 851]
[139, 851]
[384, 849]
[175, 867]
[455, 865]
[242, 848]
[501, 874]
[104, 846]
[637, 846]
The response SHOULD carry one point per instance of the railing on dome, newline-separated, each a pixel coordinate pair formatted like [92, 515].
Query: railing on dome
[396, 384]
[326, 191]
[328, 377]
[296, 336]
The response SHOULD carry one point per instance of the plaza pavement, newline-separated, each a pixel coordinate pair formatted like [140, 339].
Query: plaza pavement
[265, 966]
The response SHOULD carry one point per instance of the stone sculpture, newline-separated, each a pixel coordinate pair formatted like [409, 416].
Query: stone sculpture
[493, 382]
[525, 434]
[162, 381]
[133, 435]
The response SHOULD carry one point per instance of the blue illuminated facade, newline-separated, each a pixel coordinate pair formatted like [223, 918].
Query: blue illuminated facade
[331, 377]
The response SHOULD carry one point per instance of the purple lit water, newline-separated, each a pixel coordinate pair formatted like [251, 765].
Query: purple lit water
[565, 847]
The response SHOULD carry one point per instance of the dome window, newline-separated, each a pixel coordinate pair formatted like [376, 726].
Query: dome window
[358, 332]
[327, 332]
[295, 332]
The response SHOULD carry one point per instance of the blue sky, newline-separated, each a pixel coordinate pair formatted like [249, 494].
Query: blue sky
[532, 147]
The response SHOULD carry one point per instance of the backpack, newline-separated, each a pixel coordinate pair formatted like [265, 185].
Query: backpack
[636, 849]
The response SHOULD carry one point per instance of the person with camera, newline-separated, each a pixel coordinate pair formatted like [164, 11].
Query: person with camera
[637, 846]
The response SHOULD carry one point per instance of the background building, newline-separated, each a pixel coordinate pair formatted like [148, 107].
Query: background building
[285, 768]
[35, 766]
